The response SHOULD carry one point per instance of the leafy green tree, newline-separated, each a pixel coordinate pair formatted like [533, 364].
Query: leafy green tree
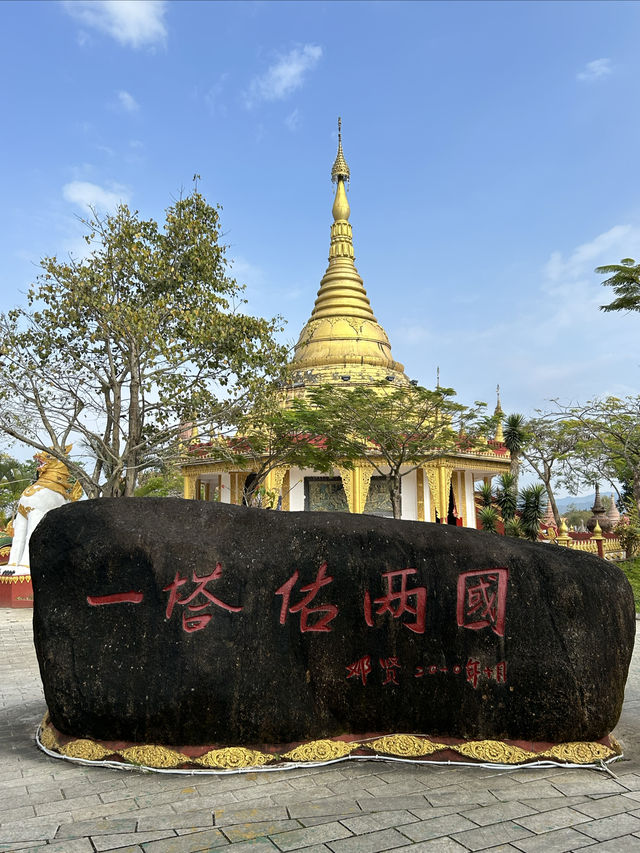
[607, 432]
[516, 437]
[165, 482]
[624, 278]
[15, 476]
[549, 450]
[118, 350]
[394, 428]
[628, 532]
[269, 436]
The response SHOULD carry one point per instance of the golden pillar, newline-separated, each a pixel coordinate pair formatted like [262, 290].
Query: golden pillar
[439, 477]
[273, 483]
[286, 488]
[189, 486]
[356, 482]
[420, 493]
[457, 494]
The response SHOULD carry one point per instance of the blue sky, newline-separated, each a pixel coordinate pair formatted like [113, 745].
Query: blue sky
[494, 151]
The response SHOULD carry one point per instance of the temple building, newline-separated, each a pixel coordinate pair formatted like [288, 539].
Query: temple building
[343, 344]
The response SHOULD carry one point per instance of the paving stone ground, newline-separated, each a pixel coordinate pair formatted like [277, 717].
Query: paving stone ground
[350, 807]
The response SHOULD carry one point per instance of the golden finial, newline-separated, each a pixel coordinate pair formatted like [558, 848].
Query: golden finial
[340, 169]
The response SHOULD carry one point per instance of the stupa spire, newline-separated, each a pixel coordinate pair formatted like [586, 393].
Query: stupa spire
[340, 170]
[343, 338]
[499, 415]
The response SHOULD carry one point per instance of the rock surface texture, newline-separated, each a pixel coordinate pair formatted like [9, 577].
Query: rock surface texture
[181, 622]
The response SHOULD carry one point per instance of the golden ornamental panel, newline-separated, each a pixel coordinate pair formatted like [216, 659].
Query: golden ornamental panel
[409, 746]
[346, 475]
[494, 752]
[153, 756]
[434, 488]
[363, 473]
[234, 758]
[398, 746]
[580, 752]
[321, 750]
[86, 749]
[15, 578]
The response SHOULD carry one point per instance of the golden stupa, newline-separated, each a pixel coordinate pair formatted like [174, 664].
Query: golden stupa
[343, 343]
[342, 336]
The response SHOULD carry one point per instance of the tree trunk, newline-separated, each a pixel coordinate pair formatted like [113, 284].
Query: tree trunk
[394, 493]
[514, 469]
[636, 486]
[546, 479]
[135, 425]
[554, 506]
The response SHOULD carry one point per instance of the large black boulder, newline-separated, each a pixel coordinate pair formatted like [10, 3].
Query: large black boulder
[181, 622]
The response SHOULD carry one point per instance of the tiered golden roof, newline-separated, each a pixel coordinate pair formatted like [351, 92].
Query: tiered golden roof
[342, 337]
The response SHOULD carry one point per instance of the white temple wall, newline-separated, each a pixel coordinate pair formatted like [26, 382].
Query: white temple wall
[225, 488]
[427, 498]
[470, 505]
[410, 497]
[296, 488]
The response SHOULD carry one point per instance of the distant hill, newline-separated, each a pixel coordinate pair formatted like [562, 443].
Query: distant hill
[578, 502]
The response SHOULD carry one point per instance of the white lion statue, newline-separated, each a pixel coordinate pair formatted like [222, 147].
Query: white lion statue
[52, 489]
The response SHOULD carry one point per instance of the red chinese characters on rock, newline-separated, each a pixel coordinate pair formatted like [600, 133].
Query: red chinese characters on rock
[482, 599]
[400, 598]
[474, 670]
[191, 622]
[360, 669]
[390, 665]
[329, 611]
[115, 598]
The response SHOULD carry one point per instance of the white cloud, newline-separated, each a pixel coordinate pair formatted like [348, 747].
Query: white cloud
[285, 76]
[607, 247]
[247, 273]
[134, 23]
[292, 121]
[544, 339]
[127, 102]
[595, 70]
[213, 97]
[88, 195]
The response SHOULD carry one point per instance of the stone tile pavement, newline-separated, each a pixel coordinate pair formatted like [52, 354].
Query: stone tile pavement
[351, 807]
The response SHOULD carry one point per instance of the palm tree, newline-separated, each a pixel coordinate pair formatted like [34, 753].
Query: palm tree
[516, 436]
[507, 497]
[532, 503]
[485, 494]
[625, 281]
[489, 516]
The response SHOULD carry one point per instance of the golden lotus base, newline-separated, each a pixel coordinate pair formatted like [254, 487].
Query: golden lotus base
[399, 747]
